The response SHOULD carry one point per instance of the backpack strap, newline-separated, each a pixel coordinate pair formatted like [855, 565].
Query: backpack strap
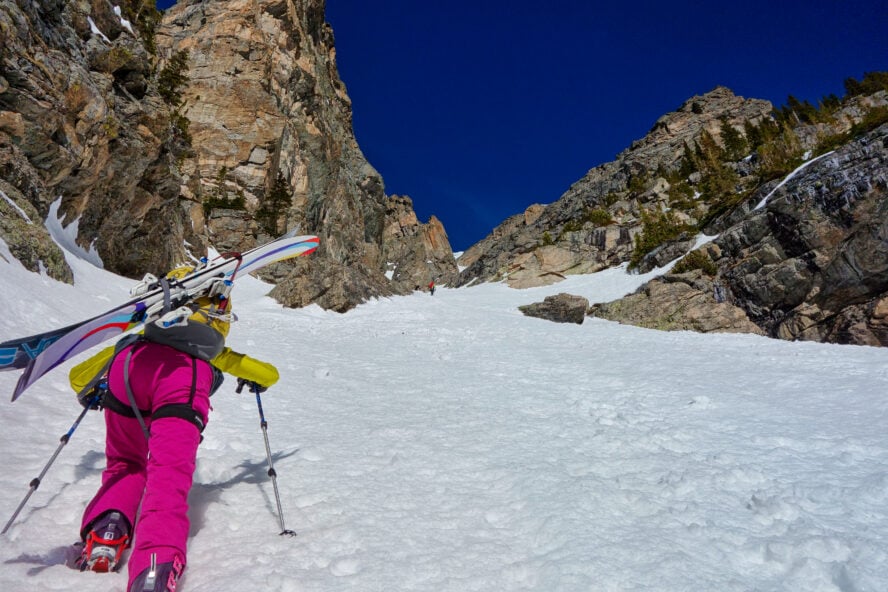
[137, 413]
[167, 299]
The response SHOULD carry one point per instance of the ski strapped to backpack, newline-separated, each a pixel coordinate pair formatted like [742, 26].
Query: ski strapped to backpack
[153, 301]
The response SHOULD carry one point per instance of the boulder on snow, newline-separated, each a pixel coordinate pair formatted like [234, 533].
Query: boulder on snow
[561, 308]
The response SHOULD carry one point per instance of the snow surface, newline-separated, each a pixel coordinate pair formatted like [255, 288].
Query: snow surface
[449, 443]
[66, 235]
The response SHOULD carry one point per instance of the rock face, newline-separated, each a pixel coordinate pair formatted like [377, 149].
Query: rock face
[561, 308]
[253, 137]
[79, 125]
[593, 225]
[267, 110]
[811, 264]
[27, 239]
[417, 253]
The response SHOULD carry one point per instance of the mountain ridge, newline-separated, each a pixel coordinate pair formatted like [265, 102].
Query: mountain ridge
[703, 168]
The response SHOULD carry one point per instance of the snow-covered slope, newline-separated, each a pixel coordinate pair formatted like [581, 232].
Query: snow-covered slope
[448, 443]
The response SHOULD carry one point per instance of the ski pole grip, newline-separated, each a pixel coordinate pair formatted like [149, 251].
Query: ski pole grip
[243, 382]
[253, 387]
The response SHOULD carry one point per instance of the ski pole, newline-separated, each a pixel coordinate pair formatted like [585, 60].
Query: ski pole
[271, 472]
[35, 482]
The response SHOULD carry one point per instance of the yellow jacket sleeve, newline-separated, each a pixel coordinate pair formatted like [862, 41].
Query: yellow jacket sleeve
[229, 361]
[85, 371]
[243, 366]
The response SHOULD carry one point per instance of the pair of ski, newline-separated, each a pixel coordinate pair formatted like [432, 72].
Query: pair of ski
[38, 354]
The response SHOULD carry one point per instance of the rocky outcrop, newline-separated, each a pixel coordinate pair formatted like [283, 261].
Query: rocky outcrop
[813, 263]
[668, 251]
[417, 253]
[26, 238]
[842, 121]
[679, 302]
[560, 308]
[593, 225]
[329, 284]
[156, 158]
[80, 124]
[810, 264]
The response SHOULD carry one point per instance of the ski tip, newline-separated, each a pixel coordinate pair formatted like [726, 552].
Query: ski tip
[23, 382]
[309, 240]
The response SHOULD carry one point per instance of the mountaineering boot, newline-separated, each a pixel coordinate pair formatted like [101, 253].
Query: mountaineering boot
[159, 577]
[105, 543]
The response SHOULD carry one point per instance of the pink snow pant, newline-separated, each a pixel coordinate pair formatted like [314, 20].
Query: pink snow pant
[156, 472]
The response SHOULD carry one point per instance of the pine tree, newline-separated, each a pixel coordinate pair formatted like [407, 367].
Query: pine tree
[735, 143]
[830, 103]
[753, 135]
[275, 202]
[872, 82]
[780, 152]
[710, 153]
[688, 163]
[172, 78]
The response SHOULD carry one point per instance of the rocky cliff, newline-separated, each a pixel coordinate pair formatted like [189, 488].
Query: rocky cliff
[268, 111]
[81, 128]
[810, 262]
[219, 123]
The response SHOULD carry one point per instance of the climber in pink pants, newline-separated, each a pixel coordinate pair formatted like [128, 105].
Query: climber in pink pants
[156, 405]
[161, 466]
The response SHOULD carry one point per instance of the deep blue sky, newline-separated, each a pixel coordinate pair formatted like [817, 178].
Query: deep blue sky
[478, 108]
